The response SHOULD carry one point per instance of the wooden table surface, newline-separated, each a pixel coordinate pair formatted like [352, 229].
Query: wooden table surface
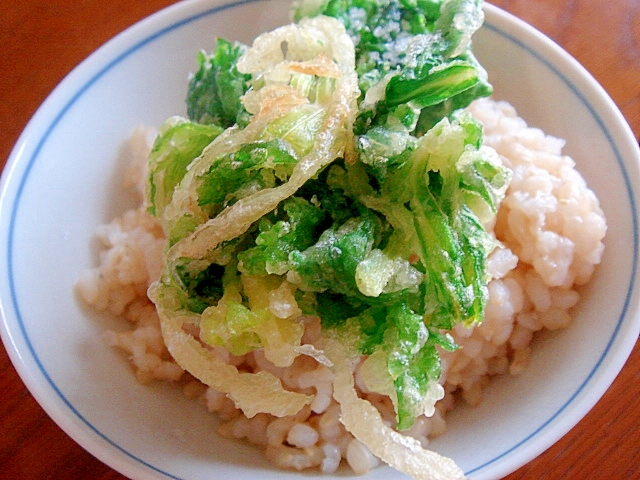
[40, 42]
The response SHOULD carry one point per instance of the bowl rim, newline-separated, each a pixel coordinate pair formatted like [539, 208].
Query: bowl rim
[139, 34]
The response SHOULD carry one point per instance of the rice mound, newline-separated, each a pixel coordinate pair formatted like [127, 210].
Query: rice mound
[550, 227]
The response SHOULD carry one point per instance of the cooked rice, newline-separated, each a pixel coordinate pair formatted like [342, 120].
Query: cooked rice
[551, 229]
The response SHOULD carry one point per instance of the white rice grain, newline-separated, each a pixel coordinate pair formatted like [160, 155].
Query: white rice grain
[360, 458]
[302, 435]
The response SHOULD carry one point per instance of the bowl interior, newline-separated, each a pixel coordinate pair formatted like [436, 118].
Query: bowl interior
[63, 180]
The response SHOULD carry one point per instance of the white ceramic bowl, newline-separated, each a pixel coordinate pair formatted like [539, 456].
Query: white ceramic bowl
[62, 180]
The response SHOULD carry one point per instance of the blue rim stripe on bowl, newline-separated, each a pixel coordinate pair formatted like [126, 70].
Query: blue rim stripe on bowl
[213, 11]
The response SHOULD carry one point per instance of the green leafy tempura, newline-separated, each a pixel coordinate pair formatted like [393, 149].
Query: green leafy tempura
[216, 88]
[332, 164]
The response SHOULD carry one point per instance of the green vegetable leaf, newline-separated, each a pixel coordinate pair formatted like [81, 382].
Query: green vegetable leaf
[447, 171]
[412, 362]
[432, 88]
[330, 264]
[214, 91]
[402, 361]
[202, 289]
[277, 240]
[254, 166]
[178, 143]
